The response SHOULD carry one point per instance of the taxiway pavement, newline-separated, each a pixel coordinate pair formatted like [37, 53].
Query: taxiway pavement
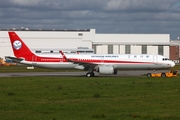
[120, 73]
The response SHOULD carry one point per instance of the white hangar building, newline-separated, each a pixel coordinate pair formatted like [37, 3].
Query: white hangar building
[51, 41]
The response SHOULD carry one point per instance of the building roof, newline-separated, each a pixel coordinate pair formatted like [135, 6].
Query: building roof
[27, 29]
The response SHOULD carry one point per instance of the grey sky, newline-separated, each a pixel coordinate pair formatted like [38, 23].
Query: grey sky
[106, 16]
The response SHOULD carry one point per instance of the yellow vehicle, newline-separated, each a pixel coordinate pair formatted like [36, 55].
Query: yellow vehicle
[163, 74]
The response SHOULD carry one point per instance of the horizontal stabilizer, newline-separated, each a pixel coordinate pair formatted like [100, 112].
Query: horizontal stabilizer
[14, 59]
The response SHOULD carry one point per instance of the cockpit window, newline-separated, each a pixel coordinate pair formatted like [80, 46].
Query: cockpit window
[165, 59]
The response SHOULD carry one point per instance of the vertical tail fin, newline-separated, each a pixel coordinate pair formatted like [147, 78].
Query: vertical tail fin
[19, 47]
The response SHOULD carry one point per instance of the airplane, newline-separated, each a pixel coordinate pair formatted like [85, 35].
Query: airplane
[101, 63]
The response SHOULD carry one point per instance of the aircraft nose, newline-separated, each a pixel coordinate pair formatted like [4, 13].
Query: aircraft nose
[172, 64]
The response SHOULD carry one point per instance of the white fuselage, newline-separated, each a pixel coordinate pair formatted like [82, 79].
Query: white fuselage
[127, 61]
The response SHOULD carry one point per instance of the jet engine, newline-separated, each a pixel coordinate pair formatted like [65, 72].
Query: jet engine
[107, 69]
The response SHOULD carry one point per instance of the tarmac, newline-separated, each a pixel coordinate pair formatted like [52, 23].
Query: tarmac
[120, 73]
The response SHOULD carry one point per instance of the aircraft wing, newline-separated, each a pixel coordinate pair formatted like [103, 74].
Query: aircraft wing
[14, 59]
[87, 65]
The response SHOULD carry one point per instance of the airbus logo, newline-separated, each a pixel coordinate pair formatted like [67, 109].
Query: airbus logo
[17, 44]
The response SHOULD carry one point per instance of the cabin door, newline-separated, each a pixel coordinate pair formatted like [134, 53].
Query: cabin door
[34, 59]
[155, 59]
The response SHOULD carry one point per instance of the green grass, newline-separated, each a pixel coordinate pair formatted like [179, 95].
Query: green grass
[81, 98]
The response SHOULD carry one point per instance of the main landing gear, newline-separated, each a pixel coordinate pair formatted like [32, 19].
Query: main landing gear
[90, 74]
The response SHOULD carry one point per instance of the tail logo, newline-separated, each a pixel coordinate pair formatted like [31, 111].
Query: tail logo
[17, 44]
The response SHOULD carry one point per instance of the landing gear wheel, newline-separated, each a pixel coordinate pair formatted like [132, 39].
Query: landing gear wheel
[149, 75]
[90, 74]
[163, 75]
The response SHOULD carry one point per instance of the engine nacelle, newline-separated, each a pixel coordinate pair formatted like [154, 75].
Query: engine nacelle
[107, 69]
